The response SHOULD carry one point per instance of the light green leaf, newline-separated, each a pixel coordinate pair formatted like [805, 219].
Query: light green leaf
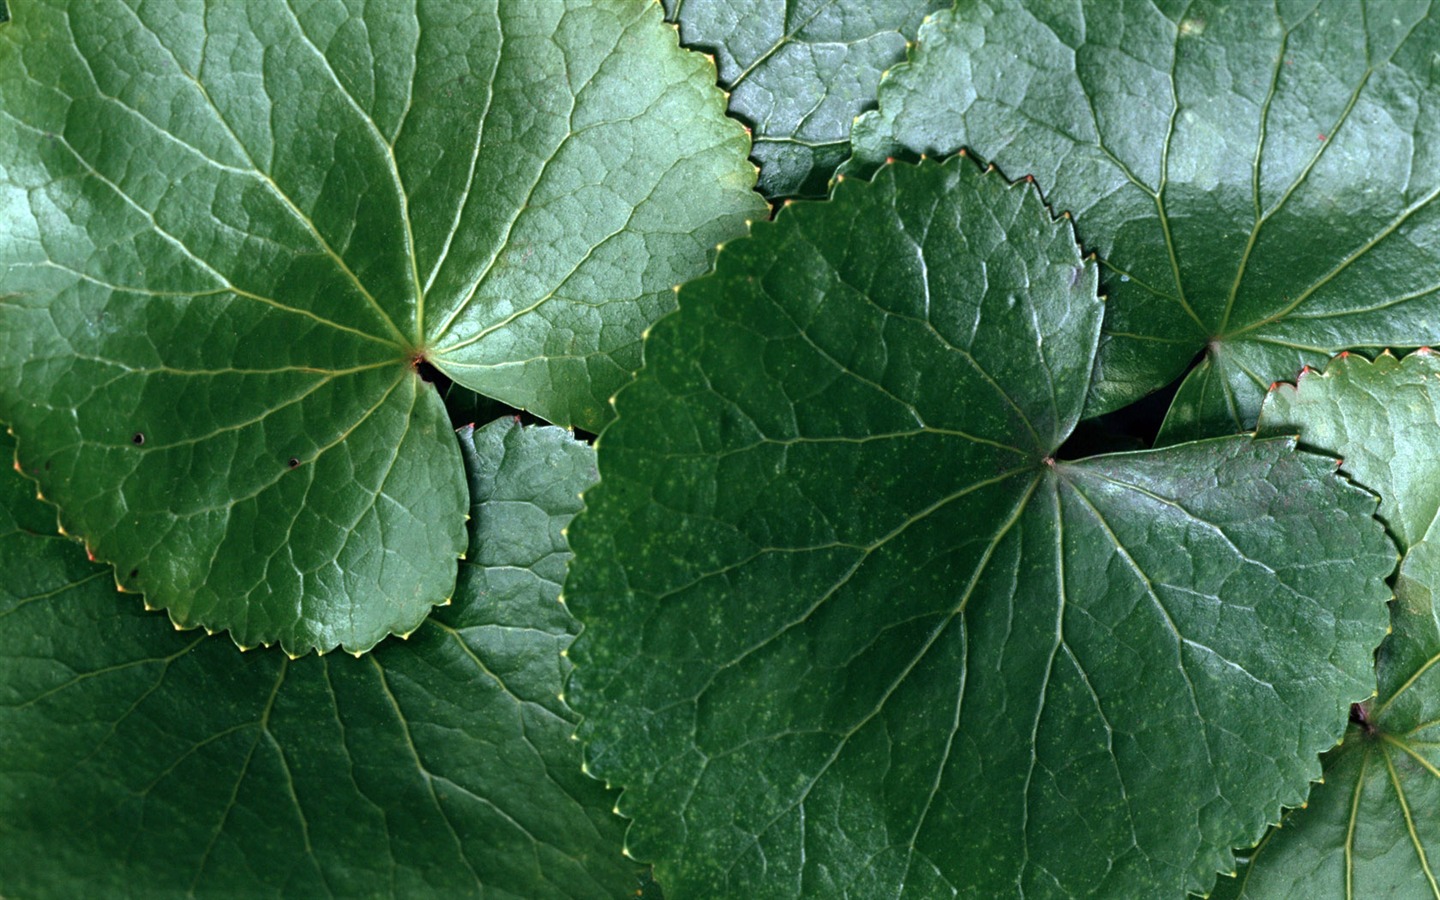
[233, 230]
[142, 762]
[799, 71]
[1380, 418]
[851, 630]
[1371, 830]
[1259, 180]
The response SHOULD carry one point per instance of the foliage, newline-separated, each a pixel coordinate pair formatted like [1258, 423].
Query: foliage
[872, 593]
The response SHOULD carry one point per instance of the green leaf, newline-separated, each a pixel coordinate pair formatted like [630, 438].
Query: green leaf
[799, 71]
[1370, 829]
[1379, 418]
[851, 630]
[143, 762]
[1259, 180]
[232, 231]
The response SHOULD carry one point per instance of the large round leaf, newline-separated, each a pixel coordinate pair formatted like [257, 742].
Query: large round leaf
[1371, 829]
[142, 762]
[231, 231]
[852, 630]
[799, 71]
[1260, 180]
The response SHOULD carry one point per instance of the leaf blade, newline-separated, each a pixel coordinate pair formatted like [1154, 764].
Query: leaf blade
[1235, 168]
[798, 73]
[1367, 826]
[233, 238]
[842, 634]
[171, 764]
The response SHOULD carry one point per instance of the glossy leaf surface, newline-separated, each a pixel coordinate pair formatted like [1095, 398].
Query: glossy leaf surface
[143, 762]
[851, 630]
[232, 229]
[798, 72]
[1259, 180]
[1370, 829]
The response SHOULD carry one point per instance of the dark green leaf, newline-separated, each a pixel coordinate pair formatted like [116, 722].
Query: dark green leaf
[799, 71]
[850, 630]
[141, 762]
[231, 231]
[1259, 180]
[1370, 830]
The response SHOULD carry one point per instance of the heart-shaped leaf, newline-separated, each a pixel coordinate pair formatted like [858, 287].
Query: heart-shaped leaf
[850, 629]
[142, 762]
[1260, 180]
[799, 71]
[1370, 829]
[231, 232]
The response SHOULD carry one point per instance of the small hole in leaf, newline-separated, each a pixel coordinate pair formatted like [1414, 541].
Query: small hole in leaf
[294, 463]
[134, 573]
[138, 439]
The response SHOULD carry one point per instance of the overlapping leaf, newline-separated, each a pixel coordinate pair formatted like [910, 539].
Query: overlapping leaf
[143, 762]
[799, 71]
[1260, 180]
[231, 230]
[1370, 830]
[852, 630]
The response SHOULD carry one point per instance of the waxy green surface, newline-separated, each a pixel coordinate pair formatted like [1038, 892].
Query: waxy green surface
[232, 229]
[1370, 829]
[798, 72]
[142, 762]
[850, 629]
[1259, 180]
